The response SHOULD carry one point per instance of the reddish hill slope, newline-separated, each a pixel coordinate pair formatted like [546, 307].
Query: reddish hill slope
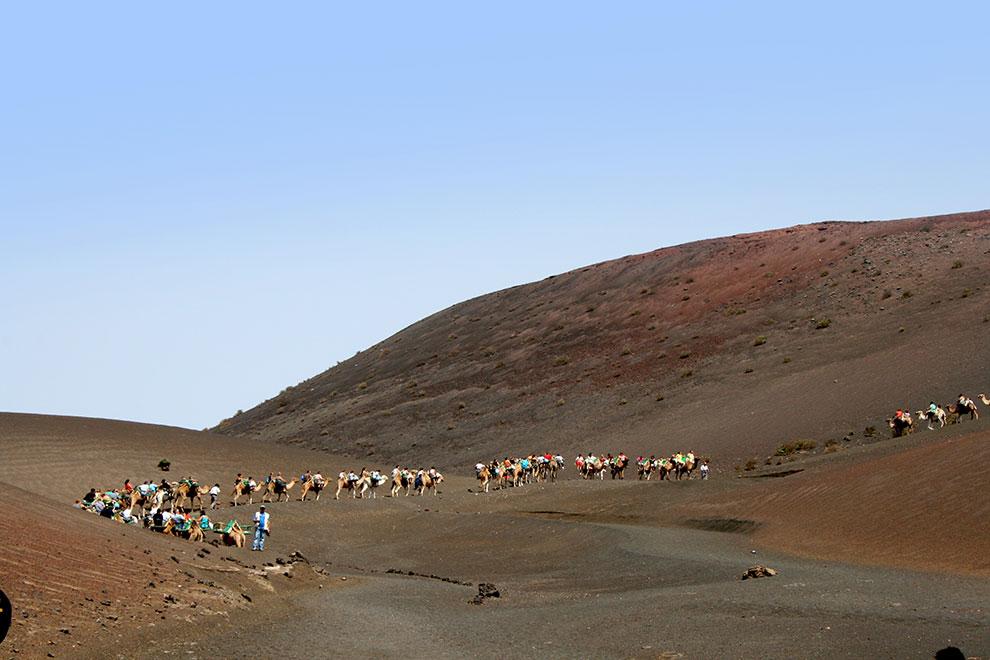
[729, 346]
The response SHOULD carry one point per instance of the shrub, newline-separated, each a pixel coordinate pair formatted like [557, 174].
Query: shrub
[907, 294]
[966, 293]
[626, 351]
[164, 465]
[887, 293]
[787, 360]
[751, 464]
[869, 431]
[622, 402]
[362, 386]
[759, 341]
[796, 446]
[823, 323]
[560, 402]
[685, 355]
[957, 264]
[687, 374]
[561, 361]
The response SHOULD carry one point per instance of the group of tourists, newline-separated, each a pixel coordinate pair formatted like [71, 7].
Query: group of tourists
[158, 507]
[518, 471]
[409, 480]
[679, 464]
[592, 466]
[274, 487]
[902, 423]
[360, 484]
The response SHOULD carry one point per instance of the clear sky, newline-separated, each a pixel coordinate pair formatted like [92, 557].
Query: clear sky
[201, 203]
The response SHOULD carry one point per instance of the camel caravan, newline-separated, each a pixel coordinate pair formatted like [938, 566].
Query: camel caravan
[902, 423]
[166, 512]
[514, 472]
[274, 488]
[595, 467]
[679, 465]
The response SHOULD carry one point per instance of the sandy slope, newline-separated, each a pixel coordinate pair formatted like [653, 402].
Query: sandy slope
[662, 351]
[604, 569]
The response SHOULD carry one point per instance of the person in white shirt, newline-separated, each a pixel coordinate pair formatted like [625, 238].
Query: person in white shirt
[214, 496]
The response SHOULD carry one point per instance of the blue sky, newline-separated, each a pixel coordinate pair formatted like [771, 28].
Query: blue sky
[200, 205]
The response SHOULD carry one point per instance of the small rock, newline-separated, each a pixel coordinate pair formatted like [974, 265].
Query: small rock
[758, 571]
[488, 590]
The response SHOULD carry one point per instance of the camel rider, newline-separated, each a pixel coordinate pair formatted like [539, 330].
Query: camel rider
[351, 477]
[690, 457]
[251, 483]
[932, 408]
[899, 414]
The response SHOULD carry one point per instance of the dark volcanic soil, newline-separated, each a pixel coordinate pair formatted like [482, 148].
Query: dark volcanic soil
[587, 569]
[730, 347]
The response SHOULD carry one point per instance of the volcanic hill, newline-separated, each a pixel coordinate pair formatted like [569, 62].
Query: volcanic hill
[730, 347]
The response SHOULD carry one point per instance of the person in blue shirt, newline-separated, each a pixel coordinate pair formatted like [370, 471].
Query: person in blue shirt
[261, 528]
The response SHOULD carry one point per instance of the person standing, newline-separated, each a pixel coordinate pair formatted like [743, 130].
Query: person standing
[261, 528]
[214, 496]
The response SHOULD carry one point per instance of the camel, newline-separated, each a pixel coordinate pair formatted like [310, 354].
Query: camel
[139, 501]
[512, 474]
[427, 482]
[686, 466]
[278, 488]
[484, 477]
[243, 487]
[900, 426]
[183, 490]
[938, 415]
[367, 481]
[234, 535]
[646, 467]
[595, 468]
[959, 410]
[315, 485]
[190, 530]
[664, 467]
[618, 467]
[401, 479]
[554, 465]
[344, 482]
